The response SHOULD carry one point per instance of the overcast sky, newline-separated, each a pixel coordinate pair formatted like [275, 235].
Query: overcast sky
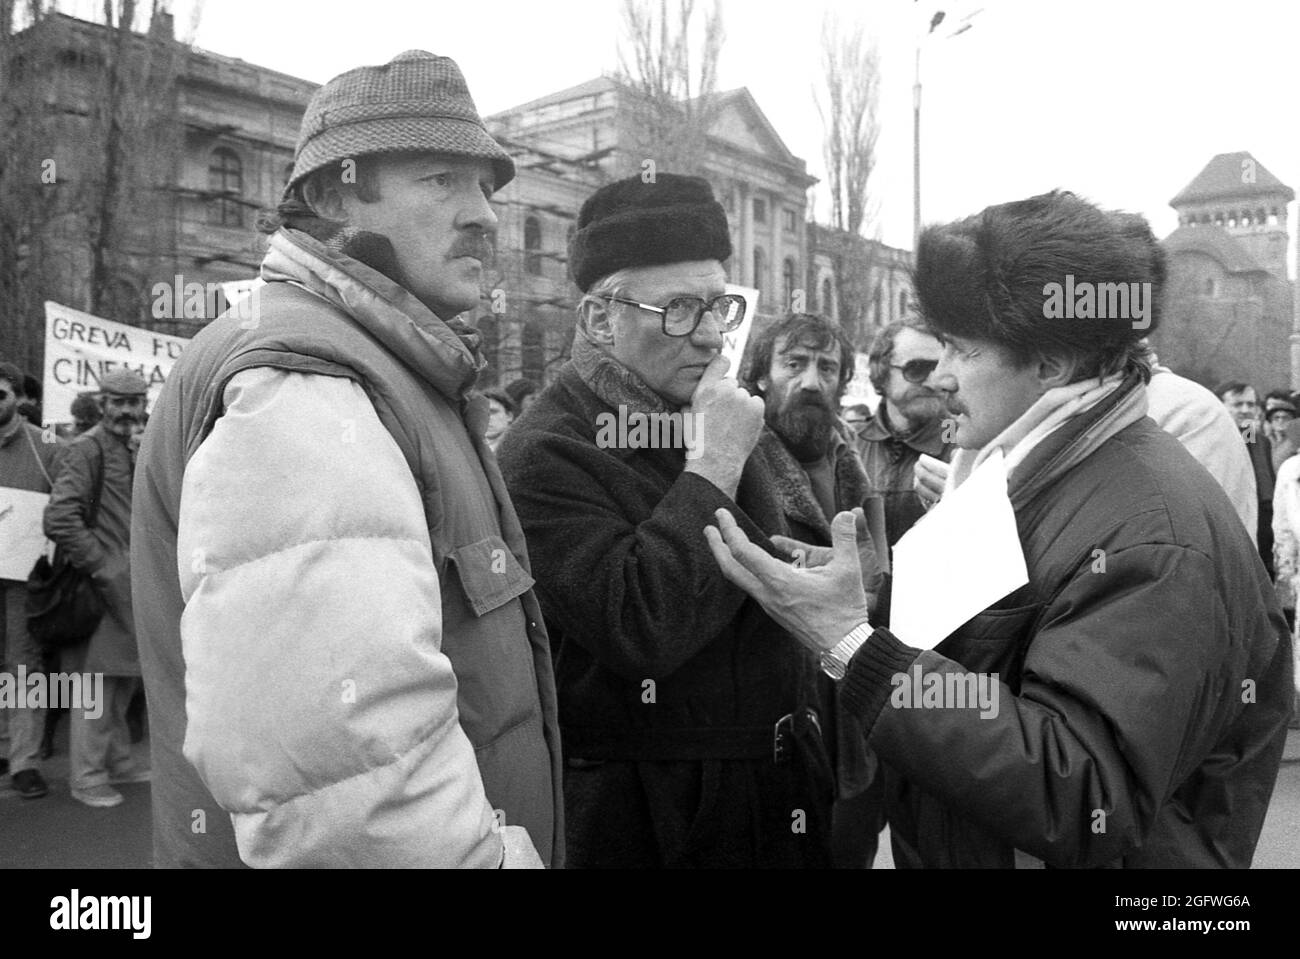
[1123, 101]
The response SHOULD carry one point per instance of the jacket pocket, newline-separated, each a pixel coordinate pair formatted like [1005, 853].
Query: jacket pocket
[994, 641]
[489, 574]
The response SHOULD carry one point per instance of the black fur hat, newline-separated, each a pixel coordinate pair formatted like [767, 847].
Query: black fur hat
[674, 219]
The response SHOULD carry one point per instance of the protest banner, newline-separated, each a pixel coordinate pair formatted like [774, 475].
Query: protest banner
[81, 348]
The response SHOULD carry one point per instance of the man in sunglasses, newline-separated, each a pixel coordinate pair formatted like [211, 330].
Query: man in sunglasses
[688, 716]
[908, 423]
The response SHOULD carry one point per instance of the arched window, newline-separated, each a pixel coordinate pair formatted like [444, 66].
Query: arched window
[226, 178]
[760, 270]
[902, 304]
[533, 246]
[827, 305]
[787, 280]
[876, 307]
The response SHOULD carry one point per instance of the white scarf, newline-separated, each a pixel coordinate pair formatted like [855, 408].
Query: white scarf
[1049, 413]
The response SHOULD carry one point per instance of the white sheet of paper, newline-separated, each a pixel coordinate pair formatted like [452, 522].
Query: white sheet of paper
[958, 560]
[21, 537]
[733, 343]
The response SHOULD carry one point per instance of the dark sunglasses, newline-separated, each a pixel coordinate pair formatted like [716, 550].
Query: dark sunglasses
[916, 371]
[682, 314]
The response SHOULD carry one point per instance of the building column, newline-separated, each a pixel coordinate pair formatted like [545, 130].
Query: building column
[747, 236]
[1295, 320]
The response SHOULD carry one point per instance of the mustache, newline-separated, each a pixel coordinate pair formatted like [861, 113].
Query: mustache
[816, 401]
[478, 245]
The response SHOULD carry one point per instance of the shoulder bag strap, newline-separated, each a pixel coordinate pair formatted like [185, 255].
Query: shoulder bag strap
[39, 462]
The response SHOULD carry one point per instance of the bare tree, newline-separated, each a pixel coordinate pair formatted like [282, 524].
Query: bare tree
[136, 128]
[26, 203]
[848, 104]
[92, 138]
[669, 65]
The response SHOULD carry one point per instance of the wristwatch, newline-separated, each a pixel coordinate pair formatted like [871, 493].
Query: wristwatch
[835, 661]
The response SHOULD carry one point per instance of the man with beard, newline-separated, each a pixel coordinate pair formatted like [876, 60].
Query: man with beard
[691, 735]
[801, 367]
[908, 424]
[89, 515]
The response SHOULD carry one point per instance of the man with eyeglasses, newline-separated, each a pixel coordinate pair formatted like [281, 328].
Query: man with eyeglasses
[908, 423]
[688, 717]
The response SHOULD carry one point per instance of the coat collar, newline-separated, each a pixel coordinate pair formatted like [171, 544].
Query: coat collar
[419, 338]
[794, 489]
[928, 439]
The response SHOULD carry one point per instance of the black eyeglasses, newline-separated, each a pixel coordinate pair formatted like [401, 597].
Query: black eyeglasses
[916, 371]
[682, 314]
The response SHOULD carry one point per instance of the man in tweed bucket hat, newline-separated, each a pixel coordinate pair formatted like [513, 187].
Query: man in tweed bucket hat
[361, 676]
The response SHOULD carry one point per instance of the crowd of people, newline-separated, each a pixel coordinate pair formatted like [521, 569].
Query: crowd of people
[87, 474]
[385, 619]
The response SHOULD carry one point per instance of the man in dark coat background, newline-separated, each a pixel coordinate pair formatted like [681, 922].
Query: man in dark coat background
[801, 367]
[101, 464]
[908, 423]
[688, 717]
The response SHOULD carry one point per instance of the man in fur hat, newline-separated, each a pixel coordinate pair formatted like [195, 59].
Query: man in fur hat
[1132, 696]
[361, 676]
[691, 726]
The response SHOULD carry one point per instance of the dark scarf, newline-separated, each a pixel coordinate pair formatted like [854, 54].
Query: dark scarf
[613, 382]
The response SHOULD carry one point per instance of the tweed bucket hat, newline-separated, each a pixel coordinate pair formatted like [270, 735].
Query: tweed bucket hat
[123, 383]
[417, 101]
